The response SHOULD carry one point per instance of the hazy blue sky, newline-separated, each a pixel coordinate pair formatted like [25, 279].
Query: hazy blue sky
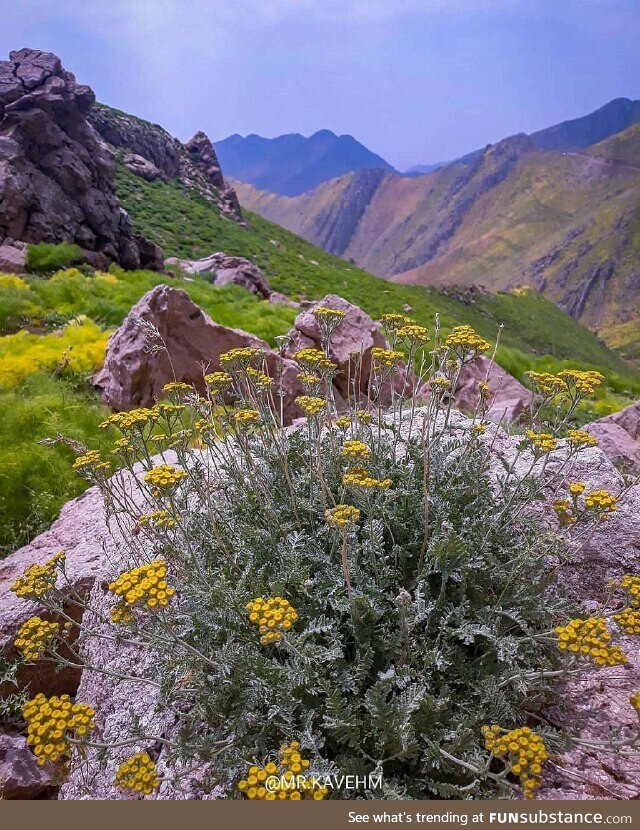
[414, 80]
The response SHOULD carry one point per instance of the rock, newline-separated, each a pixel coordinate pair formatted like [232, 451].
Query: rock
[356, 333]
[142, 139]
[142, 167]
[57, 177]
[20, 776]
[276, 298]
[508, 398]
[80, 532]
[227, 269]
[134, 375]
[619, 437]
[202, 153]
[13, 257]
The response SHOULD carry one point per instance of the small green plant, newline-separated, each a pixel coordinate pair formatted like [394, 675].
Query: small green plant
[367, 595]
[46, 257]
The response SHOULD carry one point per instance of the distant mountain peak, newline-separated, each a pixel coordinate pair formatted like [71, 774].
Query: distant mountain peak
[292, 164]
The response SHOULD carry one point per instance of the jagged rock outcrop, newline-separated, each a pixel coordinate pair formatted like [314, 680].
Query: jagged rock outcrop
[227, 269]
[134, 374]
[619, 437]
[148, 151]
[508, 398]
[56, 175]
[143, 139]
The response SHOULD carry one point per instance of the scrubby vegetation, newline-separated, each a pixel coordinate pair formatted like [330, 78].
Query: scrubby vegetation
[367, 596]
[45, 258]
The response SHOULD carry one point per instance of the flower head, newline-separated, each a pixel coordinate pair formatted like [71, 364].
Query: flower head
[356, 451]
[138, 774]
[164, 478]
[358, 477]
[143, 587]
[342, 516]
[542, 442]
[590, 638]
[35, 636]
[522, 749]
[38, 580]
[578, 438]
[52, 722]
[465, 339]
[272, 616]
[311, 406]
[385, 358]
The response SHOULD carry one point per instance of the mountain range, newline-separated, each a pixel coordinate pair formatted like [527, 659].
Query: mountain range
[292, 164]
[548, 210]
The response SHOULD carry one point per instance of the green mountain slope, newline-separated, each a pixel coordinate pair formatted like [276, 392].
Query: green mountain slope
[568, 224]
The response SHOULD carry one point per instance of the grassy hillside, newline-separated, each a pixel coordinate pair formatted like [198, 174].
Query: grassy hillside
[54, 332]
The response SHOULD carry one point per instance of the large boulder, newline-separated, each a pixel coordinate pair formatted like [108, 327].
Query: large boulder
[358, 334]
[508, 398]
[57, 177]
[227, 270]
[167, 337]
[619, 437]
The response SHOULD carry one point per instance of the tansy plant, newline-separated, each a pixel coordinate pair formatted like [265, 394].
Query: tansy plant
[363, 595]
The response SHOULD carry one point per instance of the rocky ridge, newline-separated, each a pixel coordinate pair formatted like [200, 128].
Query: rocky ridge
[57, 177]
[149, 151]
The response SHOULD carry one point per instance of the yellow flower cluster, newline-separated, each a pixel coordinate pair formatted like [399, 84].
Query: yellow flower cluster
[525, 751]
[164, 478]
[628, 620]
[288, 779]
[158, 519]
[37, 580]
[631, 586]
[356, 450]
[314, 360]
[385, 358]
[260, 381]
[311, 406]
[359, 477]
[590, 638]
[546, 383]
[343, 422]
[218, 382]
[131, 419]
[244, 418]
[601, 502]
[176, 387]
[35, 636]
[240, 358]
[342, 515]
[364, 417]
[466, 339]
[272, 616]
[138, 773]
[52, 722]
[142, 586]
[581, 438]
[576, 488]
[393, 322]
[564, 512]
[542, 441]
[440, 383]
[483, 389]
[414, 333]
[585, 383]
[329, 316]
[91, 459]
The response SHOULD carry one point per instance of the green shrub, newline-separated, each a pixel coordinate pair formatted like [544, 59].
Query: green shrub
[358, 597]
[45, 258]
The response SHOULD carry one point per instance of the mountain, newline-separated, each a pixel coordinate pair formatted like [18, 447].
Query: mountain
[575, 134]
[566, 223]
[293, 164]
